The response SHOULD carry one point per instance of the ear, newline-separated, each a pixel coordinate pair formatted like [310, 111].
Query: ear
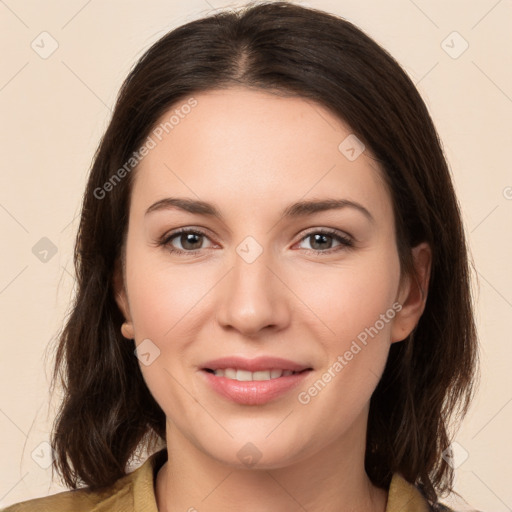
[122, 300]
[413, 294]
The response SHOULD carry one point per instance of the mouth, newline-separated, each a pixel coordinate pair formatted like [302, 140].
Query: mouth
[241, 375]
[257, 391]
[255, 381]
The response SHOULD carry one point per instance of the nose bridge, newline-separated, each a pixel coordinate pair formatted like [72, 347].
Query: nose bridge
[252, 297]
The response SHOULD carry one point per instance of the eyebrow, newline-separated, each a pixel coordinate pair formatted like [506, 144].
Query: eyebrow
[298, 209]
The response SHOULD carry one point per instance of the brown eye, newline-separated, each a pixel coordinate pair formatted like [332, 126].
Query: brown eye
[189, 240]
[321, 241]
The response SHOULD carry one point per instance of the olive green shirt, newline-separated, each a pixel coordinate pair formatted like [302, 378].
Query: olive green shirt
[135, 492]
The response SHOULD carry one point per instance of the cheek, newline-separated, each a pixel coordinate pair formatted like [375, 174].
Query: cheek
[348, 299]
[164, 305]
[356, 355]
[353, 318]
[163, 296]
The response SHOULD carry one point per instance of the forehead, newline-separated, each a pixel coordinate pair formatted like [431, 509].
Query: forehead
[251, 146]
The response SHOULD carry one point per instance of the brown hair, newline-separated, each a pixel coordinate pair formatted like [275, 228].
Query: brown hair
[107, 411]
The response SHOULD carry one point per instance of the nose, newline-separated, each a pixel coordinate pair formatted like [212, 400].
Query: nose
[253, 297]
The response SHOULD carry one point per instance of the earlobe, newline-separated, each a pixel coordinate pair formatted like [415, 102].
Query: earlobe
[413, 294]
[122, 301]
[127, 330]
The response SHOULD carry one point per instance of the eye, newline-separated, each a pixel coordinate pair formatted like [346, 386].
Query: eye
[321, 241]
[190, 241]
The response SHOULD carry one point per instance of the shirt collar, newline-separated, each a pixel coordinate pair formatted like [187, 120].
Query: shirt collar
[402, 496]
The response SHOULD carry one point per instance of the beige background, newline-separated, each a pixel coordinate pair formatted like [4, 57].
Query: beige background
[55, 109]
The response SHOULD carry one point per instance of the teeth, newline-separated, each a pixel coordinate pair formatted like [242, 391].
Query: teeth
[275, 373]
[245, 376]
[230, 373]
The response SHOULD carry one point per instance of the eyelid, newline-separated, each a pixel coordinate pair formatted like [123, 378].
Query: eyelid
[166, 238]
[346, 241]
[328, 230]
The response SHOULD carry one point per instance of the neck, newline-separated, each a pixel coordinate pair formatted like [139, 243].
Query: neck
[333, 480]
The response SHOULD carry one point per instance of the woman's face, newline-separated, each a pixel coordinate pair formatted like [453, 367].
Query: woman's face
[315, 287]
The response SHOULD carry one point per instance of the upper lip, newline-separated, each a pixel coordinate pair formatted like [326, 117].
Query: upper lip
[254, 365]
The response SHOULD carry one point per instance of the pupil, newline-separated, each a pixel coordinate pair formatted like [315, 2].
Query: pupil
[316, 237]
[189, 240]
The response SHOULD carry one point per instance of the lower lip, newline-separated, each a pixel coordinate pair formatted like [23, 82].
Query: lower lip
[256, 392]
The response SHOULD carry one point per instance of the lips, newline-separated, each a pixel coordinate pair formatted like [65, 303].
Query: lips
[253, 381]
[256, 392]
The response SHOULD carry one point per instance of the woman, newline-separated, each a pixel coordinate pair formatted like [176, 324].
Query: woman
[277, 374]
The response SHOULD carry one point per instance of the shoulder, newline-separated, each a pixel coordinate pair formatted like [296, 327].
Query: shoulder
[77, 500]
[80, 500]
[127, 494]
[403, 495]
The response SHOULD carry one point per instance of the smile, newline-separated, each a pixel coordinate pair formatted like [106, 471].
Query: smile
[253, 388]
[246, 376]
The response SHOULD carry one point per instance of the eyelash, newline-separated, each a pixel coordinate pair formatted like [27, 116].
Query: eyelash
[346, 242]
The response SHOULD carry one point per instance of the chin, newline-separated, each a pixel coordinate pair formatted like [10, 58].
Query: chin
[258, 453]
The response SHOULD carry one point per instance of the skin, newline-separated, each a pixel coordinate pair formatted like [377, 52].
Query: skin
[252, 154]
